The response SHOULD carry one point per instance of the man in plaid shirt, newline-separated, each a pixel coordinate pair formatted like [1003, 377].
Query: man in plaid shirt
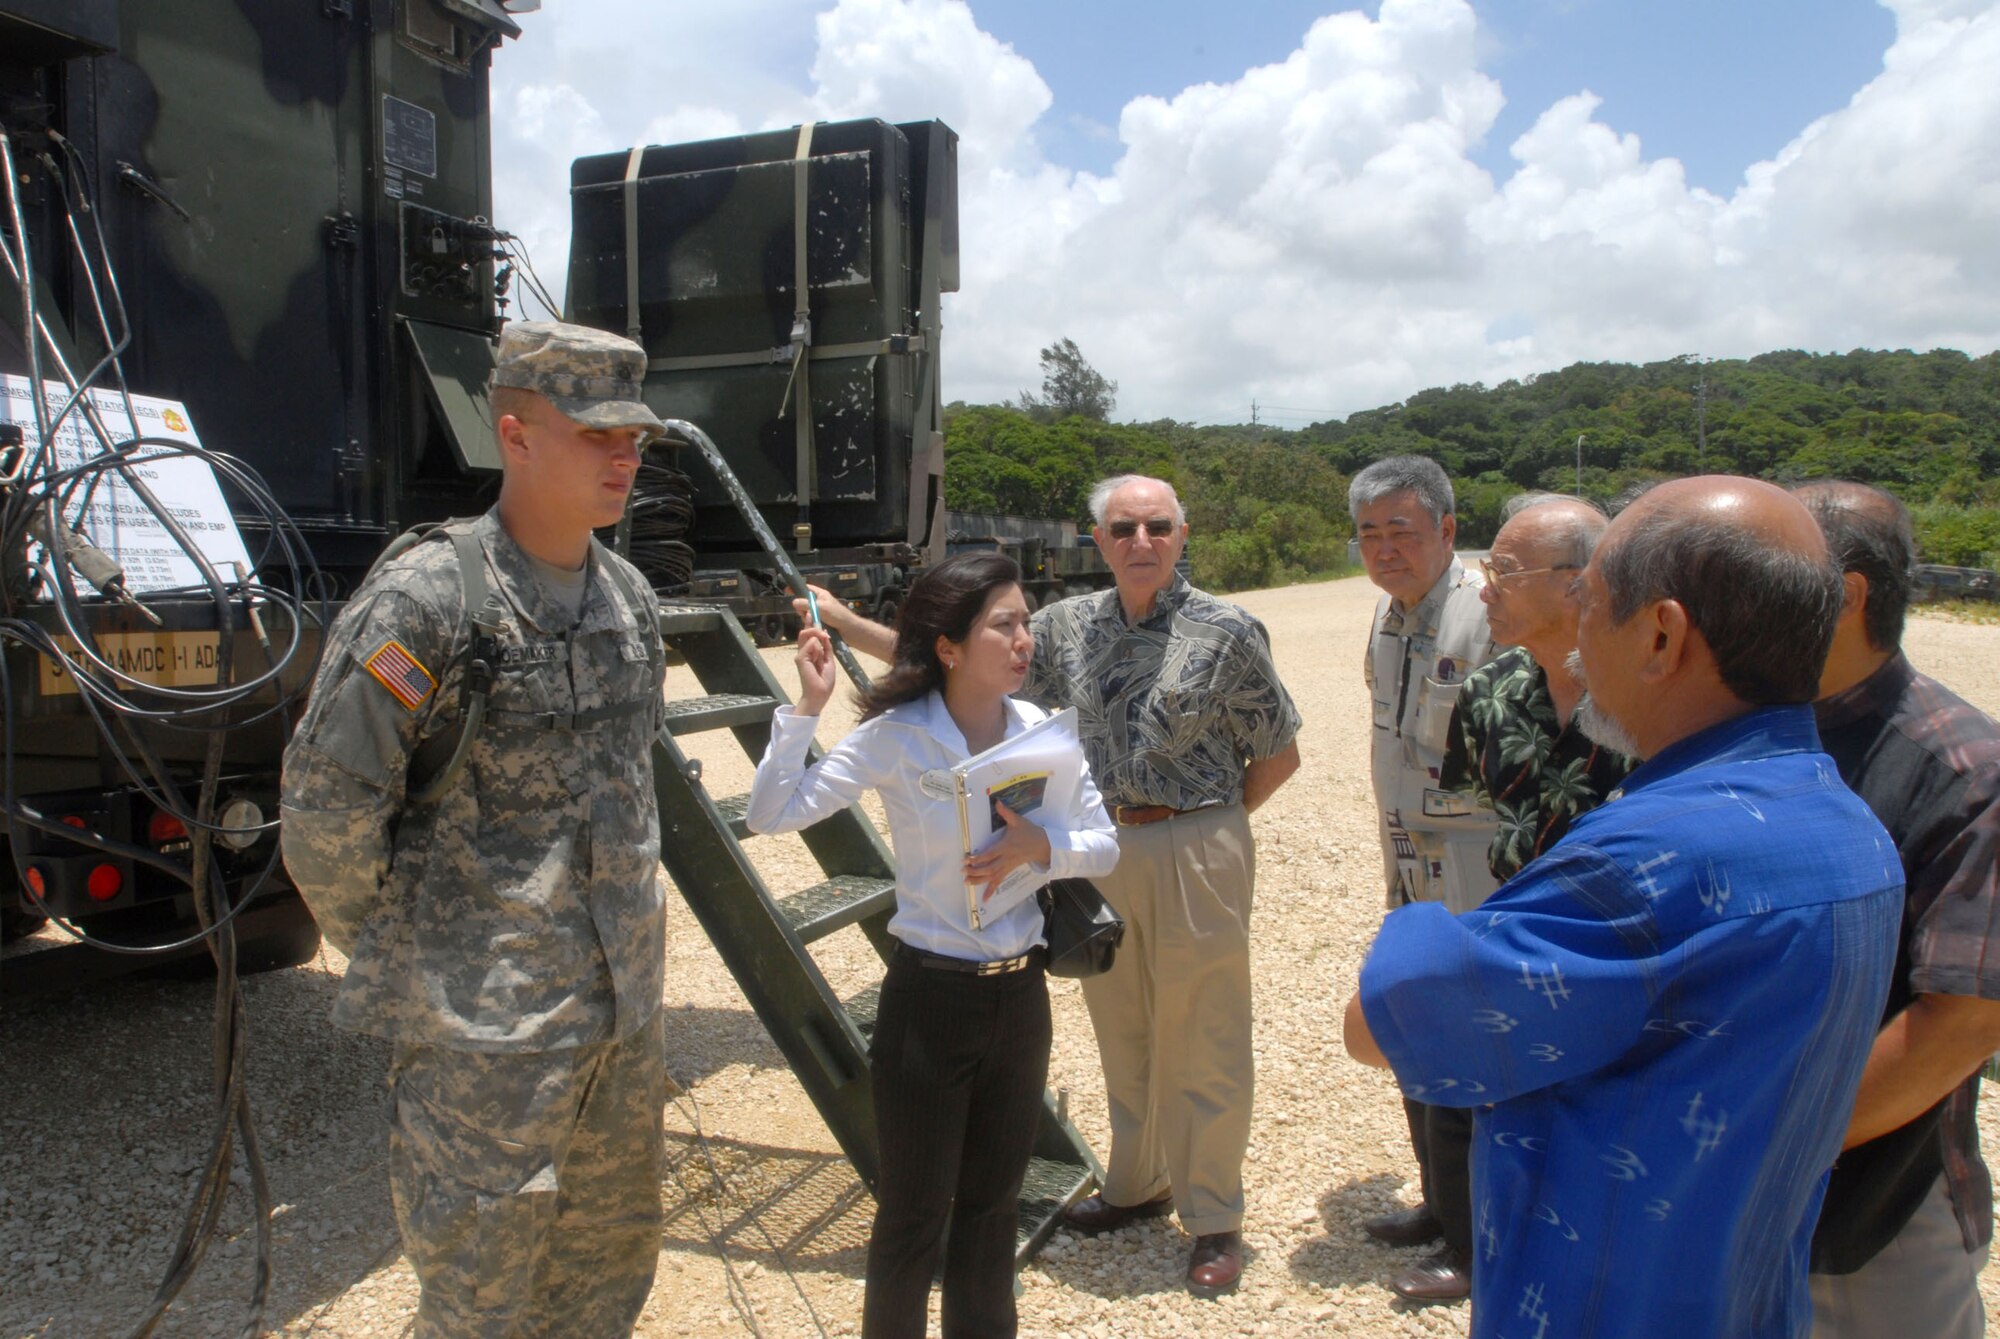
[1908, 1214]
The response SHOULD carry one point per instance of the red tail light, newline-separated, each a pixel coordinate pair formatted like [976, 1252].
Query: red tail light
[104, 883]
[163, 827]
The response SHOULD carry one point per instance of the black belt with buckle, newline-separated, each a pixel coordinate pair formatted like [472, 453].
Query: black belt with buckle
[997, 967]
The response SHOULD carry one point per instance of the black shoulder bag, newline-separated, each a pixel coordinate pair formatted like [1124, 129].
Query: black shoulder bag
[1082, 929]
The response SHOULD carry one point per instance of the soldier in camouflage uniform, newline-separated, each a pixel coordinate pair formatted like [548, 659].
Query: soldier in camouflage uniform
[508, 934]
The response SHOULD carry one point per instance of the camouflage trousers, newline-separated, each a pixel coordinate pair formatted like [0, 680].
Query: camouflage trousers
[527, 1186]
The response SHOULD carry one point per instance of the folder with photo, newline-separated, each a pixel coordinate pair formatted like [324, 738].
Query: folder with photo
[1035, 772]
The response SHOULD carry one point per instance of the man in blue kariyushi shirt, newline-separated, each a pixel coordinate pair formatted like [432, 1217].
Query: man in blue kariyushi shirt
[1662, 1022]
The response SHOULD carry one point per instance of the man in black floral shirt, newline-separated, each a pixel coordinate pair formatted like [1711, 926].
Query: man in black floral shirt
[1907, 1222]
[1514, 743]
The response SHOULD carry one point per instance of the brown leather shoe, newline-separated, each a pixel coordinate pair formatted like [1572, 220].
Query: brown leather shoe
[1444, 1276]
[1216, 1264]
[1095, 1214]
[1405, 1227]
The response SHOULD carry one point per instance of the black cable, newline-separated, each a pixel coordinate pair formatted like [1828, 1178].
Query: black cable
[662, 513]
[40, 498]
[517, 251]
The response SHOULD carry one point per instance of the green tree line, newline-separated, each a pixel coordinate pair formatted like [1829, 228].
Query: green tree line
[1269, 506]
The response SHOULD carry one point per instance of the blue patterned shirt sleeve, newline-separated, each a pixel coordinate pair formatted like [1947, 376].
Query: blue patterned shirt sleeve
[1551, 979]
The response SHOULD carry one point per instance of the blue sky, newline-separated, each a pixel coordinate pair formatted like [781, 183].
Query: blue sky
[1330, 208]
[1718, 84]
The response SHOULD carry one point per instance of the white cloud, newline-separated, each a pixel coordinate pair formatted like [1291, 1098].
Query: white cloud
[1315, 232]
[921, 60]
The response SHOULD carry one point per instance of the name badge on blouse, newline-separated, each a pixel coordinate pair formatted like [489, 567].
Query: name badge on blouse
[532, 653]
[938, 784]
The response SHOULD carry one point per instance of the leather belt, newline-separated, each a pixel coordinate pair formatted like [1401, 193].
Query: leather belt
[997, 967]
[1138, 815]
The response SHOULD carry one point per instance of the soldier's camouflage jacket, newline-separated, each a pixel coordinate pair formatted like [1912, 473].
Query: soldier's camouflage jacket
[522, 910]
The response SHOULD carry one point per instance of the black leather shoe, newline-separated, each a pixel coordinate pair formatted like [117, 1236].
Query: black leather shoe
[1095, 1214]
[1216, 1264]
[1405, 1227]
[1444, 1276]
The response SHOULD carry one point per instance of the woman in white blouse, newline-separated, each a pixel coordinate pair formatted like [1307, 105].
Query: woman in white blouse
[961, 1047]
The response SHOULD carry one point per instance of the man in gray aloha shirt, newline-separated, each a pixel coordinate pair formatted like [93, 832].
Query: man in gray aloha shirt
[1187, 729]
[508, 935]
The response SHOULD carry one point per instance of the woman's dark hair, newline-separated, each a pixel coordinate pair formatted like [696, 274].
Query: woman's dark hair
[943, 602]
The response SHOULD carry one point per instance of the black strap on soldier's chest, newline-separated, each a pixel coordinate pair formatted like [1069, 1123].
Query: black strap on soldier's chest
[486, 613]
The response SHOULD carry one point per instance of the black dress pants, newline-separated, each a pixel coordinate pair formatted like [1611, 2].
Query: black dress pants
[957, 1067]
[1442, 1138]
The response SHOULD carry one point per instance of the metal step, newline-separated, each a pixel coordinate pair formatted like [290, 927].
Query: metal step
[681, 619]
[732, 808]
[861, 1009]
[718, 711]
[818, 911]
[1048, 1186]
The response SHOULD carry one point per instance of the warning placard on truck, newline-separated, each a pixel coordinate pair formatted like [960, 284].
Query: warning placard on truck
[169, 659]
[117, 520]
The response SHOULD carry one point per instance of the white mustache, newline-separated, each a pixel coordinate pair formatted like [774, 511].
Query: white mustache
[1598, 725]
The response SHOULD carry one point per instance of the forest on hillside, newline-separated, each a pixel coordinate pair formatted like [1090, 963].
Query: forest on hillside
[1269, 505]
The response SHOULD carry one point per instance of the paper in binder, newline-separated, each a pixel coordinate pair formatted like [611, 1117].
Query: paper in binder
[1037, 774]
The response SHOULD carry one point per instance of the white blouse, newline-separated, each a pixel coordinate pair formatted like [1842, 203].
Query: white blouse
[888, 754]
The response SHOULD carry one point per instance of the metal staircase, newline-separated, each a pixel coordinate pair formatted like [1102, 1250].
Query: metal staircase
[765, 940]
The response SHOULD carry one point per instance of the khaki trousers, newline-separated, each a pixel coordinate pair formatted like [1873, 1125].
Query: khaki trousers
[1173, 1016]
[527, 1185]
[1923, 1285]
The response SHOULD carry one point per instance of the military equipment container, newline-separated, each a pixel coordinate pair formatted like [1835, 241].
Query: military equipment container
[823, 396]
[295, 201]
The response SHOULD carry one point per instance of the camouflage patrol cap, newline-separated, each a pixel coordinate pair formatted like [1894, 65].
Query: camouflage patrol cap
[592, 376]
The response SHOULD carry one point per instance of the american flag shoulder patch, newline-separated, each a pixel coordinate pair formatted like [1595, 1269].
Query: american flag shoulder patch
[398, 671]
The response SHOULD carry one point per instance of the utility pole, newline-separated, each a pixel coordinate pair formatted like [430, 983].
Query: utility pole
[1701, 419]
[1579, 464]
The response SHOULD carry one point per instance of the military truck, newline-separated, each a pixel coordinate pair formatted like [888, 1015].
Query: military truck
[280, 217]
[1936, 581]
[250, 281]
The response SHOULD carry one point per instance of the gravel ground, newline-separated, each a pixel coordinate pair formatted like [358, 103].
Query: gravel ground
[102, 1118]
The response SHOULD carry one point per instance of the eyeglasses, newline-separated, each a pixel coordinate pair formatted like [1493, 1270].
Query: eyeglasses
[1494, 576]
[1159, 527]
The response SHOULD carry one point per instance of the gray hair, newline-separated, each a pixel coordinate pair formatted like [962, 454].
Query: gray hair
[1101, 491]
[1402, 474]
[1574, 531]
[1766, 612]
[1869, 532]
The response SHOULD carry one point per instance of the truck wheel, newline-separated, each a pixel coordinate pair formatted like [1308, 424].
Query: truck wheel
[286, 945]
[280, 933]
